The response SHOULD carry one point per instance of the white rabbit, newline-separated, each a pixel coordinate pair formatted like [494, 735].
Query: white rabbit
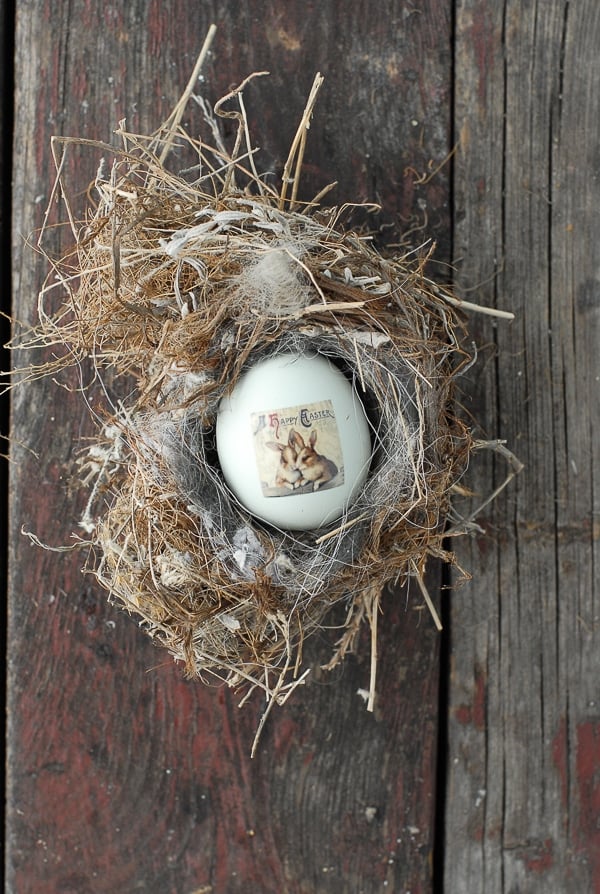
[287, 473]
[313, 466]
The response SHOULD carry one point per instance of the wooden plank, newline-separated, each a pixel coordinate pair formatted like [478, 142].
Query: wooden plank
[6, 32]
[122, 776]
[524, 724]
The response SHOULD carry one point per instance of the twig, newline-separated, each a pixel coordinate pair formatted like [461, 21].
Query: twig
[344, 527]
[240, 118]
[516, 467]
[174, 119]
[476, 308]
[296, 153]
[269, 708]
[372, 616]
[54, 549]
[427, 597]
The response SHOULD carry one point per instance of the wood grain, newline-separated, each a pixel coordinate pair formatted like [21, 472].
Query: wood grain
[122, 776]
[6, 32]
[524, 723]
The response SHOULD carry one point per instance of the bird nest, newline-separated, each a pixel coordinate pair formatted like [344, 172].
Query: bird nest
[179, 283]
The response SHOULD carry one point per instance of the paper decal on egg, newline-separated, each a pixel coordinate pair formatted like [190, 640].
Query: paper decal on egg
[294, 426]
[298, 449]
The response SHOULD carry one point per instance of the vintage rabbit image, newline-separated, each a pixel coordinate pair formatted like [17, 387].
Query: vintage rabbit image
[313, 466]
[287, 459]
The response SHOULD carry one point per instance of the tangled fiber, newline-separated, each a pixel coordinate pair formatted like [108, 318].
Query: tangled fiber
[178, 283]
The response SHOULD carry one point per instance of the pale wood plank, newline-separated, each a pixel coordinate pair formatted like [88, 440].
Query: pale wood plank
[524, 719]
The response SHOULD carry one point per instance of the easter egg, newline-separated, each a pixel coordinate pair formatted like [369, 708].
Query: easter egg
[293, 441]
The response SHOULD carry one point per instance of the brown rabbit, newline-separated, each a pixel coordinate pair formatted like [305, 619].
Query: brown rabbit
[287, 473]
[313, 466]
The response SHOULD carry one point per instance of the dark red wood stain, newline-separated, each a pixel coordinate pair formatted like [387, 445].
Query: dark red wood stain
[540, 857]
[587, 764]
[474, 713]
[484, 44]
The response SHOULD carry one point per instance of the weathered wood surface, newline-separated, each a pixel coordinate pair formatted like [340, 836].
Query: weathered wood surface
[5, 297]
[523, 795]
[122, 776]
